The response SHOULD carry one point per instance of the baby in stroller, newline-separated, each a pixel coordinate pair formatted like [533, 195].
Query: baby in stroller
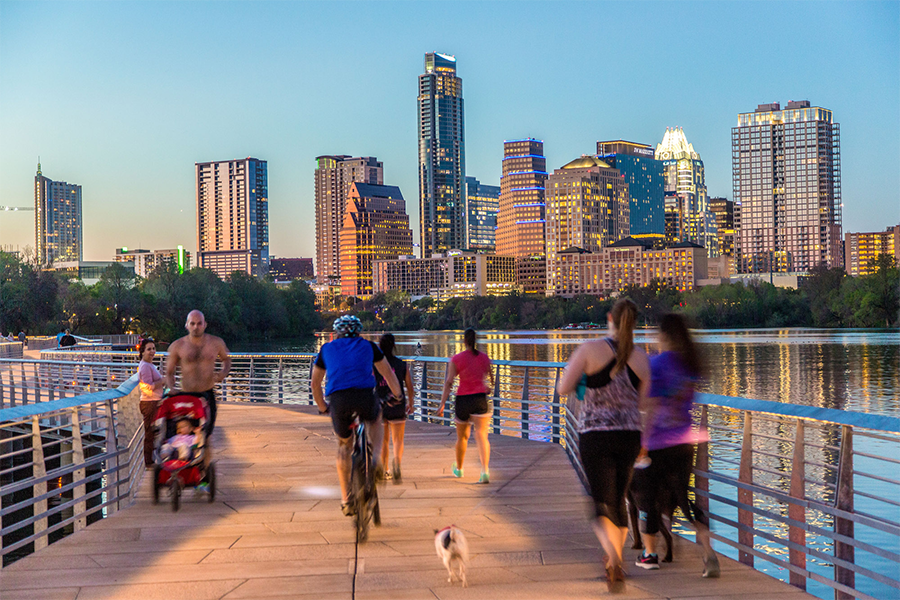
[181, 458]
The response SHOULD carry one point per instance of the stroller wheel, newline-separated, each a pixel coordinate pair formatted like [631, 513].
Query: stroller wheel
[155, 485]
[211, 480]
[175, 486]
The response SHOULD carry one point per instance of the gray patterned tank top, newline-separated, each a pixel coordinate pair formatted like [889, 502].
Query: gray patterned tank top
[613, 406]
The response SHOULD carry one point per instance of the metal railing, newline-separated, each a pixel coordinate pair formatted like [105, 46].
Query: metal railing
[11, 349]
[811, 493]
[64, 463]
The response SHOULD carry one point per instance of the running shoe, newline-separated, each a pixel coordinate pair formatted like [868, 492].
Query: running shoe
[647, 561]
[379, 473]
[457, 472]
[711, 567]
[485, 478]
[348, 509]
[615, 580]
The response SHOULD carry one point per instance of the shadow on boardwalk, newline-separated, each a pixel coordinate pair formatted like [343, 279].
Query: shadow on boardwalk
[276, 531]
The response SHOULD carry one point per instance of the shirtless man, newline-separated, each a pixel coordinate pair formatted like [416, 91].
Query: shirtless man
[197, 353]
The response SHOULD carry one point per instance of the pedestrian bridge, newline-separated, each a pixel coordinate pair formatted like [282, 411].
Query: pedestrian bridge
[276, 531]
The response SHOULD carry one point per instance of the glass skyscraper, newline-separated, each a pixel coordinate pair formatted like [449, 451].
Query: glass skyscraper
[442, 159]
[482, 205]
[57, 220]
[646, 185]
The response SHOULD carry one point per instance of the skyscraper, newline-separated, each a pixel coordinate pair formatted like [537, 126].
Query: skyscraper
[376, 227]
[723, 208]
[233, 216]
[442, 158]
[786, 167]
[334, 176]
[587, 209]
[687, 210]
[57, 220]
[482, 204]
[520, 223]
[646, 185]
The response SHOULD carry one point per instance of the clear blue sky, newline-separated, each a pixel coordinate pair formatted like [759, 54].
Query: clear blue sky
[124, 97]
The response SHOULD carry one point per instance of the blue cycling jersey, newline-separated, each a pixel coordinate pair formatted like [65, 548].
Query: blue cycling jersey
[348, 363]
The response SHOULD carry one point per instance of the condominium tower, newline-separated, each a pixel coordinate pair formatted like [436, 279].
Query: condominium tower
[334, 175]
[786, 170]
[520, 223]
[646, 184]
[376, 227]
[442, 160]
[57, 220]
[482, 204]
[233, 216]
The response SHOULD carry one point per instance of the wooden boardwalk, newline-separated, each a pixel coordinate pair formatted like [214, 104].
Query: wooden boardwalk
[276, 531]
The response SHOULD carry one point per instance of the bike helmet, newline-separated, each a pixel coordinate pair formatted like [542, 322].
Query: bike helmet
[347, 325]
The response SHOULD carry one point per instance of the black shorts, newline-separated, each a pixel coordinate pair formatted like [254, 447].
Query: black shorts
[608, 459]
[346, 405]
[393, 412]
[663, 486]
[470, 405]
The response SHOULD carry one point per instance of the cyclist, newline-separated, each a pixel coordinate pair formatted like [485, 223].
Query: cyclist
[348, 362]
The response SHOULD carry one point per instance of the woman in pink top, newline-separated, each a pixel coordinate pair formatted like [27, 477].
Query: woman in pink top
[474, 371]
[151, 385]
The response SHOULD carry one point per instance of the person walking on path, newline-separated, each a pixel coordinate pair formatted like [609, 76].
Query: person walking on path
[474, 371]
[617, 379]
[393, 409]
[196, 354]
[348, 362]
[151, 385]
[670, 441]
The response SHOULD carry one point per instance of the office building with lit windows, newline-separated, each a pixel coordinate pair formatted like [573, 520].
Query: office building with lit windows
[520, 224]
[454, 274]
[687, 214]
[786, 172]
[646, 185]
[290, 269]
[860, 248]
[57, 220]
[146, 261]
[482, 204]
[233, 216]
[334, 174]
[587, 209]
[376, 227]
[442, 157]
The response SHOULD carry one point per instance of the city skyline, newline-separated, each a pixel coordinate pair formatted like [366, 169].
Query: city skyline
[141, 115]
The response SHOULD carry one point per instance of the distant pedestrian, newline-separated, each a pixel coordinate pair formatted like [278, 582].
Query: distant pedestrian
[67, 340]
[616, 383]
[393, 409]
[59, 336]
[22, 337]
[151, 385]
[670, 442]
[472, 408]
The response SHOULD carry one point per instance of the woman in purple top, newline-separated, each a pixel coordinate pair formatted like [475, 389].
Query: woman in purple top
[669, 439]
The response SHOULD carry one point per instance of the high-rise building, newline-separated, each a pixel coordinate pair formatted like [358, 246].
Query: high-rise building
[146, 261]
[290, 269]
[482, 204]
[860, 248]
[233, 216]
[587, 209]
[376, 227]
[334, 175]
[723, 208]
[442, 157]
[786, 170]
[646, 185]
[520, 223]
[57, 220]
[687, 214]
[449, 275]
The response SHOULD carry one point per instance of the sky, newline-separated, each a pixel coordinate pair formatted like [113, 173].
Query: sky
[124, 97]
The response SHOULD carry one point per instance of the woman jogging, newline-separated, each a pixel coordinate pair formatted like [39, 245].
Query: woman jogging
[393, 409]
[151, 384]
[670, 441]
[617, 380]
[474, 371]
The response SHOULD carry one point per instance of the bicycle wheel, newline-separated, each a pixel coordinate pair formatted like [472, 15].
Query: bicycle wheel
[359, 496]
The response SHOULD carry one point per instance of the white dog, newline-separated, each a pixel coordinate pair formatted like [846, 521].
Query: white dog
[451, 545]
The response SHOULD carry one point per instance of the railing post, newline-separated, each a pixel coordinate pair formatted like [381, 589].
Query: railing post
[745, 497]
[423, 385]
[844, 501]
[79, 474]
[2, 400]
[280, 380]
[24, 385]
[250, 380]
[525, 407]
[494, 400]
[797, 512]
[312, 363]
[701, 482]
[39, 470]
[555, 429]
[112, 459]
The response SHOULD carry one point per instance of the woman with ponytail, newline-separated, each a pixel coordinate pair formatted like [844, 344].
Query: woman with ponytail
[472, 408]
[617, 379]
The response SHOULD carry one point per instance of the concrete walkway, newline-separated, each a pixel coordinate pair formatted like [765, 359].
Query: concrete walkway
[276, 531]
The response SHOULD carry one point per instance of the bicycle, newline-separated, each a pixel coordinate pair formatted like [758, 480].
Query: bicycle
[363, 493]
